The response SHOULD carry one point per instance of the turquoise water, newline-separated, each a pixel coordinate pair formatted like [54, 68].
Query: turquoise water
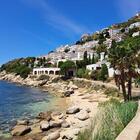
[17, 102]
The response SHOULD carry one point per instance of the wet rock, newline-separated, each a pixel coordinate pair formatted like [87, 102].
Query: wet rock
[83, 115]
[73, 110]
[22, 122]
[20, 130]
[44, 125]
[52, 136]
[44, 116]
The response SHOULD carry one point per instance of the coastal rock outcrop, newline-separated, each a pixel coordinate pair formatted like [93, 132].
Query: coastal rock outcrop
[20, 130]
[73, 110]
[82, 115]
[70, 134]
[52, 136]
[44, 125]
[54, 124]
[68, 93]
[44, 116]
[22, 122]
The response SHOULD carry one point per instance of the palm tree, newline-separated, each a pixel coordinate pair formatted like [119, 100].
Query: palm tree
[123, 57]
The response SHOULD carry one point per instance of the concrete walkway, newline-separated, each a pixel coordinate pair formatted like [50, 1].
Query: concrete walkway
[132, 130]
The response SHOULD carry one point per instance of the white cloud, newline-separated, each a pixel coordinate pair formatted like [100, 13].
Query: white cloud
[56, 19]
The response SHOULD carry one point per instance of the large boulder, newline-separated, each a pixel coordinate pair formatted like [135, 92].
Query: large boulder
[44, 125]
[83, 115]
[73, 110]
[70, 134]
[44, 116]
[54, 124]
[52, 136]
[20, 130]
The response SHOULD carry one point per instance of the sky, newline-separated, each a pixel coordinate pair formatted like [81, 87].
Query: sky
[35, 27]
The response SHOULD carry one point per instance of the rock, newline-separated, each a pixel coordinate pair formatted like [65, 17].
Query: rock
[52, 136]
[70, 134]
[73, 87]
[73, 110]
[68, 93]
[65, 124]
[83, 115]
[44, 116]
[22, 122]
[20, 130]
[88, 110]
[57, 115]
[54, 124]
[44, 125]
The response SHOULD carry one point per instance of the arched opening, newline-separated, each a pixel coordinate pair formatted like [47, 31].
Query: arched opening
[51, 72]
[57, 72]
[46, 72]
[35, 72]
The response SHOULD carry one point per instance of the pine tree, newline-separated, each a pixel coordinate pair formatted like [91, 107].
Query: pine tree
[93, 59]
[89, 60]
[104, 73]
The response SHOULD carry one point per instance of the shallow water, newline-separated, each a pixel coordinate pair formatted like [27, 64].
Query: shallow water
[17, 102]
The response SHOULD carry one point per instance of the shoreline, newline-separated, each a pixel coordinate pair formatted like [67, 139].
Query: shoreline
[81, 95]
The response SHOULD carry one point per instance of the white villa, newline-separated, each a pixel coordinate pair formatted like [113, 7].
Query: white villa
[46, 71]
[99, 64]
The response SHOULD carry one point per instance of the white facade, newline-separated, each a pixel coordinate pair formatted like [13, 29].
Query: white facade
[111, 72]
[136, 34]
[46, 71]
[137, 24]
[93, 67]
[113, 32]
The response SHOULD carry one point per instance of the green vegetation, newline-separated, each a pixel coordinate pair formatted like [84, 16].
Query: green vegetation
[66, 66]
[103, 73]
[21, 66]
[112, 92]
[125, 56]
[80, 73]
[110, 120]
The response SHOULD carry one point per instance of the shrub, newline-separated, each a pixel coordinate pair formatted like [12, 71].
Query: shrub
[80, 73]
[104, 73]
[66, 66]
[112, 92]
[110, 120]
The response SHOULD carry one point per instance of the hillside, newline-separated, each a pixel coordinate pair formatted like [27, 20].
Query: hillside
[93, 44]
[88, 42]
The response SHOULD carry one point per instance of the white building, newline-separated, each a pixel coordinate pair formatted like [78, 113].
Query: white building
[136, 24]
[99, 64]
[114, 32]
[136, 34]
[46, 71]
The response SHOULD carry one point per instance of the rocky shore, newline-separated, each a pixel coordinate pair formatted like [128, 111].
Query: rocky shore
[83, 97]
